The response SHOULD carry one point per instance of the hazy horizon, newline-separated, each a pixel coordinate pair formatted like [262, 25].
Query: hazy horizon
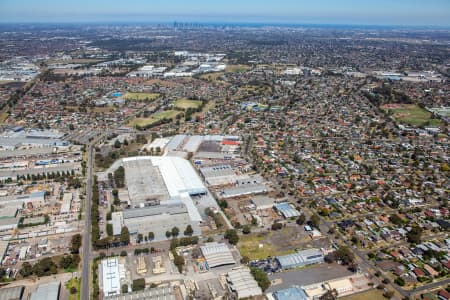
[432, 13]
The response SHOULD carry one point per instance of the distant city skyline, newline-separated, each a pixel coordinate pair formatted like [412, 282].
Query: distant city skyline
[357, 12]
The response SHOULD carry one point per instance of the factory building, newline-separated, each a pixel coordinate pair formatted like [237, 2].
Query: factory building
[241, 282]
[12, 293]
[219, 175]
[286, 210]
[292, 293]
[144, 182]
[48, 291]
[112, 272]
[217, 254]
[300, 259]
[157, 219]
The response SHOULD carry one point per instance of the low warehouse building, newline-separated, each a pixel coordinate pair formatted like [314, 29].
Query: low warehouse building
[12, 293]
[300, 259]
[292, 293]
[158, 293]
[217, 254]
[112, 273]
[158, 219]
[242, 190]
[219, 175]
[48, 291]
[263, 202]
[241, 282]
[287, 210]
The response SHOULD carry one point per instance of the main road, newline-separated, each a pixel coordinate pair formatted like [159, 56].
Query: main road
[87, 245]
[86, 252]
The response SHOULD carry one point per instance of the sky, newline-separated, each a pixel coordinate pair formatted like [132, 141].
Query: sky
[361, 12]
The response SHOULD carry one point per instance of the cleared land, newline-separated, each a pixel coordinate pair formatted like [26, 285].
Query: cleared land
[141, 96]
[282, 242]
[211, 76]
[237, 68]
[143, 122]
[372, 295]
[411, 114]
[186, 103]
[5, 81]
[3, 116]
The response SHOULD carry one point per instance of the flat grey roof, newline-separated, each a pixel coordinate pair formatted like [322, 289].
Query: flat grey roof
[12, 293]
[48, 291]
[144, 181]
[171, 209]
[216, 171]
[159, 293]
[243, 190]
[3, 248]
[263, 200]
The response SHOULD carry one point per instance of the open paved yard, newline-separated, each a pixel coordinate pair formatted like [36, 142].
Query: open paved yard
[306, 276]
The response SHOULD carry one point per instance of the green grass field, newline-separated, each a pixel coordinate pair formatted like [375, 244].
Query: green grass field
[412, 114]
[141, 96]
[249, 246]
[74, 282]
[142, 122]
[237, 68]
[186, 103]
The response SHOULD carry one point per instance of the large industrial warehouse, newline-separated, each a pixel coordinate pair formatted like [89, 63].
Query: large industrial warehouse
[164, 192]
[157, 219]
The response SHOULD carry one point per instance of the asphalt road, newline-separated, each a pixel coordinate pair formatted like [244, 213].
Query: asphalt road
[85, 290]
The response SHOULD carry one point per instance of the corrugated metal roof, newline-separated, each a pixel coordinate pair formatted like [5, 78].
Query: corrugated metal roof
[292, 293]
[48, 291]
[217, 254]
[287, 210]
[301, 258]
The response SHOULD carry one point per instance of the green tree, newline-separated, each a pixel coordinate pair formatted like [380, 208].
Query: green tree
[140, 237]
[125, 235]
[75, 243]
[343, 254]
[138, 284]
[301, 219]
[168, 234]
[246, 229]
[124, 288]
[232, 236]
[151, 236]
[188, 231]
[179, 262]
[414, 235]
[175, 231]
[26, 269]
[315, 220]
[261, 278]
[400, 281]
[277, 226]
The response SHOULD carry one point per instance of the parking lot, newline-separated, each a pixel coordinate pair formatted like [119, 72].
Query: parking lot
[305, 276]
